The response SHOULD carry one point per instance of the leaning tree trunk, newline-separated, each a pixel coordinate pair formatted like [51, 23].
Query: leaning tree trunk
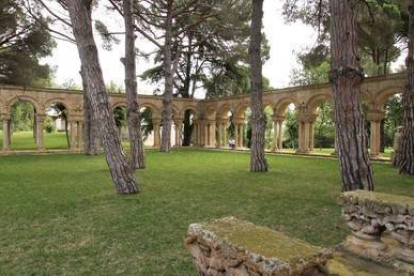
[405, 153]
[346, 79]
[134, 121]
[169, 83]
[122, 175]
[257, 155]
[91, 131]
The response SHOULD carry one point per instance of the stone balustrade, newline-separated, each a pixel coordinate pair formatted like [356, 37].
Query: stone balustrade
[234, 247]
[382, 227]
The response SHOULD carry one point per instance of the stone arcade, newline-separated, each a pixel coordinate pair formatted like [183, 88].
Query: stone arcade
[211, 117]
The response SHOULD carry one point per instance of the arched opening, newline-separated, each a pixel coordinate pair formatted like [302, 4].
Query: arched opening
[391, 125]
[271, 129]
[188, 131]
[226, 135]
[147, 126]
[23, 130]
[323, 130]
[121, 123]
[57, 129]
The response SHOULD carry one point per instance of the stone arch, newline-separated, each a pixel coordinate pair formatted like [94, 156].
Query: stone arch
[222, 112]
[382, 97]
[283, 103]
[192, 109]
[122, 104]
[58, 100]
[154, 110]
[25, 98]
[240, 109]
[315, 101]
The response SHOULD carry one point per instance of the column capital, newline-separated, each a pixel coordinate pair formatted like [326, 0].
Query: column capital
[5, 116]
[156, 120]
[278, 118]
[375, 115]
[40, 117]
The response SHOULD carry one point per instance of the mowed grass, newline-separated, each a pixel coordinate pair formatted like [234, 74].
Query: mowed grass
[60, 215]
[23, 140]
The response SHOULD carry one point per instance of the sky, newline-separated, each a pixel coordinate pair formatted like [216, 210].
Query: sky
[285, 40]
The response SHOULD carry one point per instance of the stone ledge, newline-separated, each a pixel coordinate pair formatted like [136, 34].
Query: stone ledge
[229, 246]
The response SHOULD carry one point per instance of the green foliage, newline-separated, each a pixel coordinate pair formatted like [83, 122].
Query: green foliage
[120, 117]
[22, 116]
[291, 130]
[23, 41]
[393, 119]
[49, 125]
[324, 127]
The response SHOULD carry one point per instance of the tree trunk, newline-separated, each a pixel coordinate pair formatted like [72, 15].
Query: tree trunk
[258, 121]
[405, 153]
[169, 83]
[91, 132]
[122, 175]
[133, 117]
[346, 79]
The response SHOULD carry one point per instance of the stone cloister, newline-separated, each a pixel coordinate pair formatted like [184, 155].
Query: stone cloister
[210, 117]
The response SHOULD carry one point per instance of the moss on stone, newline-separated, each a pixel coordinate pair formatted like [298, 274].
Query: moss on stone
[262, 240]
[380, 198]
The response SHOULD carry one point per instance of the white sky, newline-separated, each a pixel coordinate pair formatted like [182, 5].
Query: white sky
[284, 40]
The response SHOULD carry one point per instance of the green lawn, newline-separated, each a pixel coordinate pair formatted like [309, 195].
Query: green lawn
[23, 140]
[59, 214]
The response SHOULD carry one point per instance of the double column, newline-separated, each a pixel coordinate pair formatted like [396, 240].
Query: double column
[76, 134]
[6, 119]
[277, 133]
[375, 118]
[306, 132]
[156, 123]
[178, 124]
[239, 132]
[209, 133]
[222, 132]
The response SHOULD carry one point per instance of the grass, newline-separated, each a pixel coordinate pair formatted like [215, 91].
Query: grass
[23, 140]
[59, 214]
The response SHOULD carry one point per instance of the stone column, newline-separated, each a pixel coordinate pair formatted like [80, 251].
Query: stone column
[375, 117]
[225, 141]
[275, 146]
[178, 132]
[311, 136]
[301, 136]
[72, 134]
[220, 135]
[236, 134]
[40, 119]
[156, 132]
[280, 135]
[6, 132]
[213, 134]
[79, 138]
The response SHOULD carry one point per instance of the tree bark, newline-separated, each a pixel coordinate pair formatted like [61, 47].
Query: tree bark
[405, 153]
[346, 79]
[91, 132]
[169, 82]
[133, 116]
[257, 155]
[122, 175]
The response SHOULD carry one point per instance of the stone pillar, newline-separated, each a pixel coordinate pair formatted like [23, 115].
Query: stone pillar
[311, 136]
[225, 140]
[79, 138]
[375, 117]
[156, 132]
[213, 134]
[220, 134]
[239, 133]
[72, 134]
[178, 132]
[301, 136]
[40, 119]
[6, 132]
[275, 145]
[236, 134]
[280, 135]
